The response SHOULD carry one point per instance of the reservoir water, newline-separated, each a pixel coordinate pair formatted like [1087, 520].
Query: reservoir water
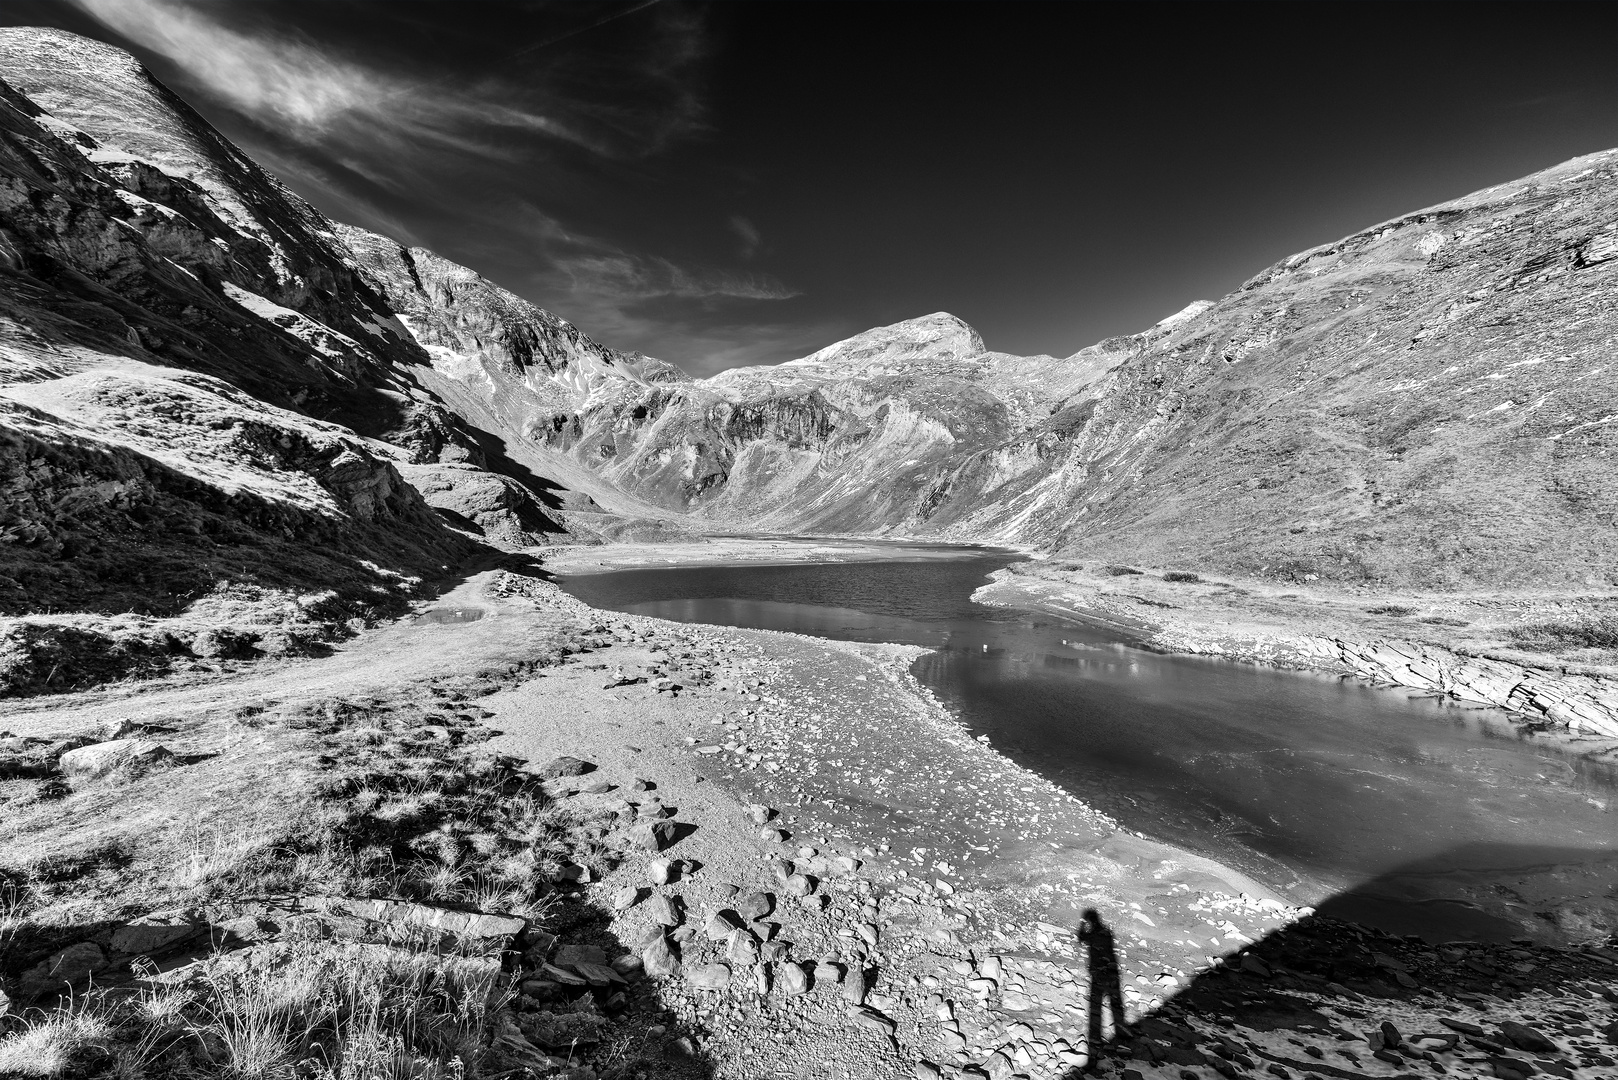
[1412, 813]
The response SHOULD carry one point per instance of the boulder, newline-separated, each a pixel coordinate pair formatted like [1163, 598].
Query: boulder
[119, 755]
[68, 968]
[756, 905]
[155, 935]
[794, 980]
[658, 959]
[1526, 1038]
[664, 911]
[742, 948]
[721, 924]
[653, 835]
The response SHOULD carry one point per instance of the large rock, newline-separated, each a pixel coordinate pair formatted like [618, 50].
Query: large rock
[657, 958]
[651, 835]
[68, 969]
[156, 934]
[709, 977]
[119, 755]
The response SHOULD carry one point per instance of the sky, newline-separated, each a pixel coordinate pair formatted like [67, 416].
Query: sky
[719, 184]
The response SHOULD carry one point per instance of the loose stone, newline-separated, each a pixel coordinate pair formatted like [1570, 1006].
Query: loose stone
[709, 977]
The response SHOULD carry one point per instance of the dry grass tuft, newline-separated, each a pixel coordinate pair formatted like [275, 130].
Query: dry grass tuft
[49, 1046]
[1590, 632]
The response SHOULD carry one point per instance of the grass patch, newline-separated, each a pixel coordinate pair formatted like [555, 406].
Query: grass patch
[1398, 610]
[393, 808]
[1180, 575]
[1589, 632]
[1119, 571]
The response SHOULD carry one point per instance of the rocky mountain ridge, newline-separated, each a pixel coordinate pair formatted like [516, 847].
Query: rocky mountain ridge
[1427, 402]
[217, 407]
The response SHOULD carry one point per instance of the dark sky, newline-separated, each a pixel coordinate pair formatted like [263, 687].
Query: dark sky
[718, 184]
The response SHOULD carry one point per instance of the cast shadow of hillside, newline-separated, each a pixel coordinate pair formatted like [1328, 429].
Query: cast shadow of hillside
[1313, 996]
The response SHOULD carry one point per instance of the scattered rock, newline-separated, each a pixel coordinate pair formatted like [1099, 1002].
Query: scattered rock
[798, 885]
[652, 835]
[742, 948]
[756, 905]
[759, 813]
[664, 911]
[658, 959]
[564, 766]
[1526, 1038]
[721, 924]
[856, 985]
[660, 871]
[626, 898]
[794, 980]
[709, 977]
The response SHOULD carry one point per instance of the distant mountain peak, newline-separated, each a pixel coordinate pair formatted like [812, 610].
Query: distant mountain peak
[939, 336]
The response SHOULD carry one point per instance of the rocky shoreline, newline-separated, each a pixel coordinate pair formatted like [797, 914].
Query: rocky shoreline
[1581, 708]
[768, 856]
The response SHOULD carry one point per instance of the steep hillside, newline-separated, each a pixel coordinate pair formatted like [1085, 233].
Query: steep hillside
[219, 411]
[1429, 402]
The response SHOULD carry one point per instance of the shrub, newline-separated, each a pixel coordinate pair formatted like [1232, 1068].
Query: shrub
[1391, 609]
[1590, 632]
[1180, 575]
[1118, 571]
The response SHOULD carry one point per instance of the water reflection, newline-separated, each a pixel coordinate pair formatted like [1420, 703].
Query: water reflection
[1303, 780]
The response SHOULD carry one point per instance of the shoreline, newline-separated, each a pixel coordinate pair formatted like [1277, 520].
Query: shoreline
[1578, 709]
[921, 884]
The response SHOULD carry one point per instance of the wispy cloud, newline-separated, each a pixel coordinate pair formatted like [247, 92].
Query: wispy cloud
[467, 159]
[748, 234]
[316, 94]
[591, 265]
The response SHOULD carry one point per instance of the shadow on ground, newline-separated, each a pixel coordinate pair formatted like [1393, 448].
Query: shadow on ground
[1376, 980]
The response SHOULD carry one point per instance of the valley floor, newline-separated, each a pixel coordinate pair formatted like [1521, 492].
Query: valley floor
[724, 852]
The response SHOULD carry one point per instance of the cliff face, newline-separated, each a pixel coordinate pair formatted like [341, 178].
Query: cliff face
[1428, 402]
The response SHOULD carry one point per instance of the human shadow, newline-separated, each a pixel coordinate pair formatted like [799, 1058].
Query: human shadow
[1320, 994]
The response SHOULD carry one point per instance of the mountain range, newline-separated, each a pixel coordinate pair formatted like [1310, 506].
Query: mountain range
[232, 426]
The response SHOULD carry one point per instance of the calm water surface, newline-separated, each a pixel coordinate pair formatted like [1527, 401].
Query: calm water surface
[1430, 811]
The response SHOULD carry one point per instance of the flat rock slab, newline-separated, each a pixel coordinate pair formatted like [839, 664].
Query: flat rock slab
[119, 755]
[471, 924]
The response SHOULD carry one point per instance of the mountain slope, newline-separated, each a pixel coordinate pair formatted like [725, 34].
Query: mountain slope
[213, 417]
[1428, 402]
[203, 380]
